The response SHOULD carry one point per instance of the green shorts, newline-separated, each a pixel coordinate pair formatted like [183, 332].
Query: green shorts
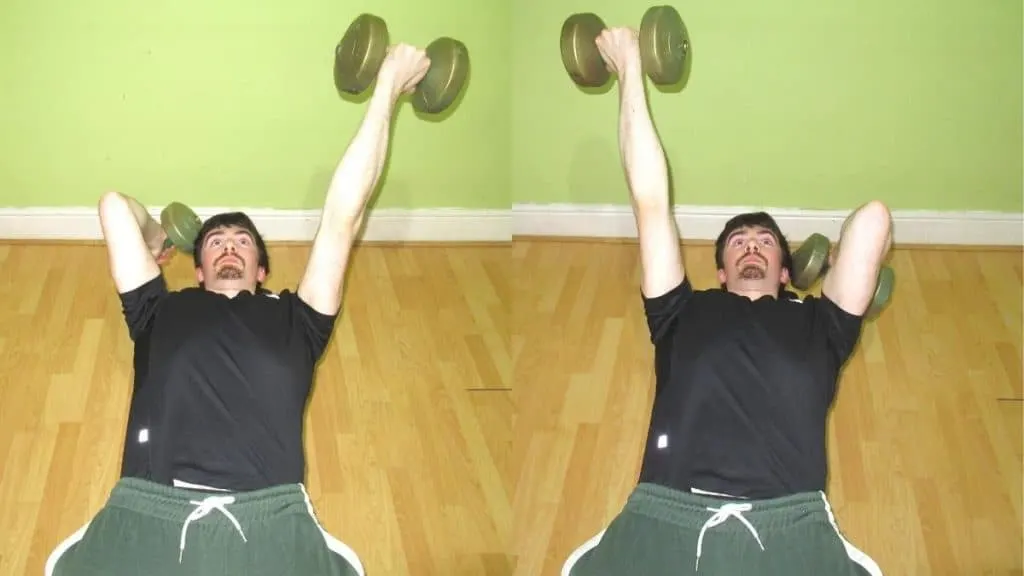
[665, 532]
[156, 530]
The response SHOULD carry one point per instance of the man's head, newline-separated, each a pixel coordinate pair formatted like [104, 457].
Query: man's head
[753, 256]
[230, 255]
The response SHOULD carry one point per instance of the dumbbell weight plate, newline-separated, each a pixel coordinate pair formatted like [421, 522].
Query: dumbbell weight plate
[664, 44]
[580, 56]
[449, 67]
[182, 226]
[360, 54]
[809, 261]
[883, 291]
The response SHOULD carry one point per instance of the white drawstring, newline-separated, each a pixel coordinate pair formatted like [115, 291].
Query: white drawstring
[203, 508]
[731, 510]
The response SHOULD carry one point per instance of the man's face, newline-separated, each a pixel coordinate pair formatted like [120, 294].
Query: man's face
[753, 261]
[230, 260]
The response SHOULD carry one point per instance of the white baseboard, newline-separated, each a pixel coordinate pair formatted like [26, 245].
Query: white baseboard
[428, 225]
[594, 221]
[706, 222]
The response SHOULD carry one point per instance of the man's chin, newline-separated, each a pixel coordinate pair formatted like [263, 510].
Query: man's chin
[230, 273]
[752, 273]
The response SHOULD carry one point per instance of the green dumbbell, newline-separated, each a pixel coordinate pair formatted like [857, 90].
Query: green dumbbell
[182, 226]
[811, 263]
[664, 47]
[883, 291]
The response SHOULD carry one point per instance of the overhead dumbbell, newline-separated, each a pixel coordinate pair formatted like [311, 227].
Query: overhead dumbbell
[812, 262]
[361, 52]
[181, 225]
[664, 47]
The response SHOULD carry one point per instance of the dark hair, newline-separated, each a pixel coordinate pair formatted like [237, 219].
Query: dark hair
[229, 220]
[754, 220]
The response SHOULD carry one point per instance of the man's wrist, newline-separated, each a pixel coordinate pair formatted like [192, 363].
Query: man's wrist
[631, 89]
[153, 234]
[632, 73]
[387, 91]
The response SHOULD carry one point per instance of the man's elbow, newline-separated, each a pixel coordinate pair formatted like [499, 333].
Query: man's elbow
[878, 215]
[324, 300]
[340, 224]
[115, 212]
[871, 224]
[111, 201]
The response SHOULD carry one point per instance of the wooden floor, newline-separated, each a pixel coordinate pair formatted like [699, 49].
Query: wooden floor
[480, 411]
[409, 428]
[925, 438]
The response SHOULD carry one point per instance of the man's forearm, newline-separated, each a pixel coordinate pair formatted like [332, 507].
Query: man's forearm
[350, 190]
[151, 230]
[360, 167]
[642, 154]
[864, 241]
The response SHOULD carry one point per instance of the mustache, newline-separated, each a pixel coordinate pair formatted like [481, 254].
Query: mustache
[226, 256]
[757, 256]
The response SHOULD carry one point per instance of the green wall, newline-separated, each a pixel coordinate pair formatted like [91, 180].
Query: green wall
[232, 103]
[792, 103]
[796, 104]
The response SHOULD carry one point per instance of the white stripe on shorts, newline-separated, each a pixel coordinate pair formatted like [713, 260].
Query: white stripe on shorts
[855, 554]
[333, 544]
[63, 547]
[579, 552]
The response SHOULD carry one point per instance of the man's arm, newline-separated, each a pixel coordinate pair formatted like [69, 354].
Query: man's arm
[351, 186]
[864, 242]
[132, 238]
[647, 176]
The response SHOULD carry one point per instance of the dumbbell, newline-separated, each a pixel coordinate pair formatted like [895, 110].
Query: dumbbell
[361, 52]
[812, 261]
[181, 225]
[664, 47]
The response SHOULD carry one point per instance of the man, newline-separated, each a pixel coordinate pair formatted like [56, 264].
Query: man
[212, 477]
[734, 470]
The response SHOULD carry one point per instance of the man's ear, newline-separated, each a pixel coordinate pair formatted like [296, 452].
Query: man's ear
[199, 274]
[721, 276]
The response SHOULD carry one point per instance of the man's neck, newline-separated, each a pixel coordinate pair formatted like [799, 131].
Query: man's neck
[230, 292]
[754, 293]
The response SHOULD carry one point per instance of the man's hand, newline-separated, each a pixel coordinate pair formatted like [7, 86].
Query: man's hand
[159, 248]
[164, 255]
[403, 68]
[620, 48]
